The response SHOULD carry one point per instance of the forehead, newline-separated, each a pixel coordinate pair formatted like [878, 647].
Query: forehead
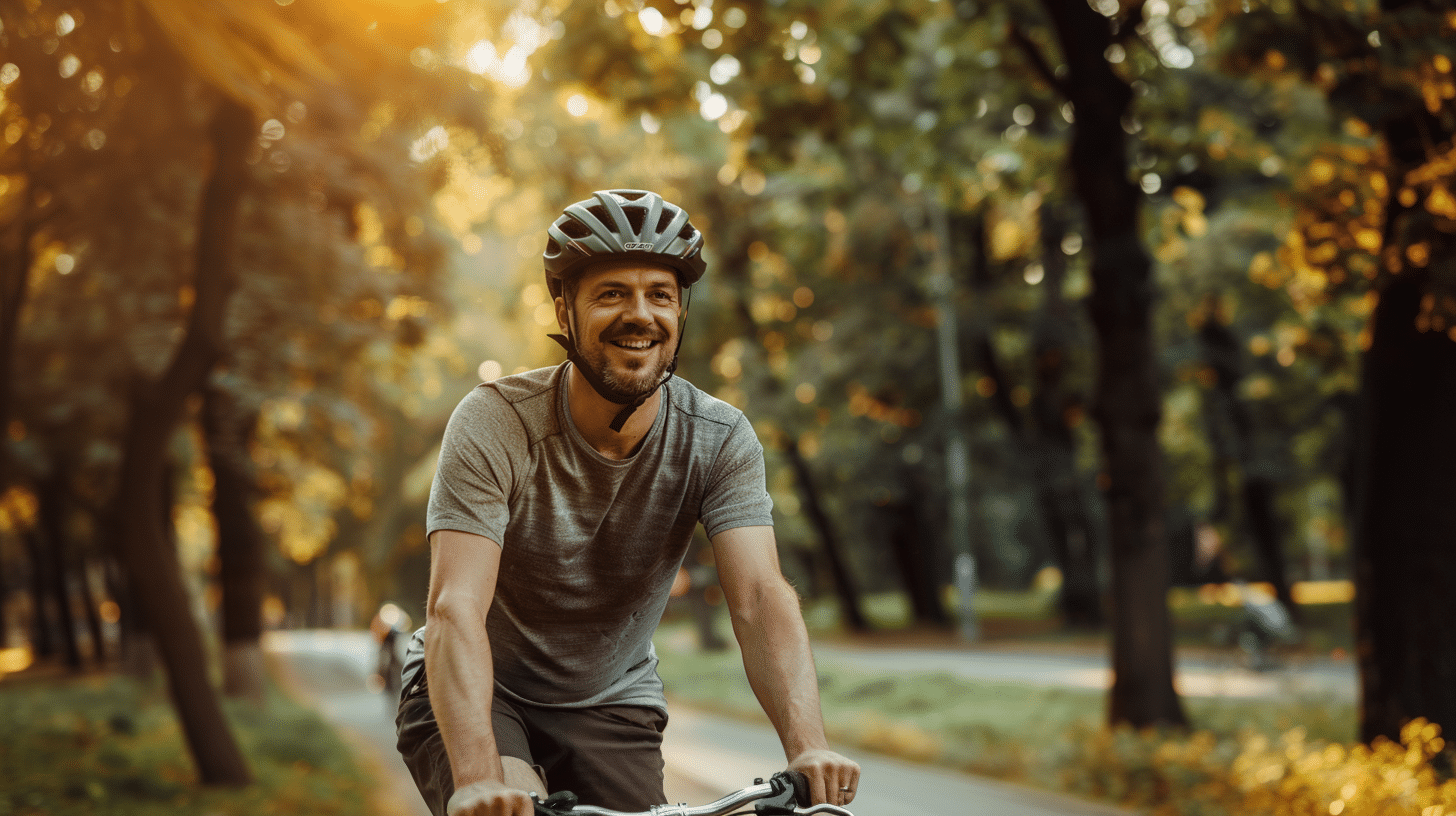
[627, 271]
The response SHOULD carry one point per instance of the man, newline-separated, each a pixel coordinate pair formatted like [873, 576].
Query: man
[563, 504]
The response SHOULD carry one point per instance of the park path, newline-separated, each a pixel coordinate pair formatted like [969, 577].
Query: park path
[706, 755]
[1199, 674]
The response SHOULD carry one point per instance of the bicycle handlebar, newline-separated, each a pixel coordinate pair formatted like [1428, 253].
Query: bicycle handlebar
[785, 794]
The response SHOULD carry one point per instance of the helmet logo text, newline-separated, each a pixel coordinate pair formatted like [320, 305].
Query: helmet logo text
[634, 246]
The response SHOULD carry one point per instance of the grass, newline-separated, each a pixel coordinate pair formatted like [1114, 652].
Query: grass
[1200, 619]
[978, 725]
[105, 744]
[1243, 758]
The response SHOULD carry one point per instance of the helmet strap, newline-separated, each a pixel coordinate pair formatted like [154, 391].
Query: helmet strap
[616, 397]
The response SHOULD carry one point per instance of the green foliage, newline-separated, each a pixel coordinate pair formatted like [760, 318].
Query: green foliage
[109, 745]
[1248, 758]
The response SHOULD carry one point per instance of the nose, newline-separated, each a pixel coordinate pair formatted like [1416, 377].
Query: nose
[636, 312]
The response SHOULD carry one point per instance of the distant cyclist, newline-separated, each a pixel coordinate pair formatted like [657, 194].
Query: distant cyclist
[564, 501]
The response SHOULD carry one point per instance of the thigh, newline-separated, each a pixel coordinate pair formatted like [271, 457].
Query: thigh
[609, 756]
[423, 749]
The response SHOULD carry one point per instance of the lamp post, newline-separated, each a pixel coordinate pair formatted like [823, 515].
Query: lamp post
[957, 454]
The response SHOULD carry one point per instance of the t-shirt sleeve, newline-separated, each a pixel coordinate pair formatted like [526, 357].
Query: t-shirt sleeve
[736, 494]
[477, 470]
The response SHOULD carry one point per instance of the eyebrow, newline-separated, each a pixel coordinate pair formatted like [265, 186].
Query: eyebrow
[622, 284]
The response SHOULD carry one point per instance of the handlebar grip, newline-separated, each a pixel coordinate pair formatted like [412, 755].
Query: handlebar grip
[800, 784]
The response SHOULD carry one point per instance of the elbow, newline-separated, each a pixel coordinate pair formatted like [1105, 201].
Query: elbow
[448, 611]
[764, 603]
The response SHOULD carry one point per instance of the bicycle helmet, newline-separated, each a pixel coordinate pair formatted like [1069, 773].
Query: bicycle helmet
[625, 224]
[621, 225]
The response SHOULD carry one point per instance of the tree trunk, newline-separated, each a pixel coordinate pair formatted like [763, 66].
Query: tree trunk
[15, 263]
[910, 542]
[1235, 438]
[53, 543]
[1127, 405]
[844, 587]
[4, 607]
[153, 571]
[1405, 564]
[228, 429]
[92, 612]
[1054, 411]
[43, 636]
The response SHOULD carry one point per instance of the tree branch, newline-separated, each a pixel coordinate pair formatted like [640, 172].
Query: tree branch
[1126, 28]
[1034, 55]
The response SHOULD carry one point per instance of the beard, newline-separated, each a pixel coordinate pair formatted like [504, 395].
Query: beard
[634, 376]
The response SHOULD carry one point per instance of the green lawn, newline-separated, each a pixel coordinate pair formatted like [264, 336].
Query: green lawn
[102, 745]
[1240, 758]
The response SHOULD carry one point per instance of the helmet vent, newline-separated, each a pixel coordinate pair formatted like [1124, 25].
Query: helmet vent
[575, 229]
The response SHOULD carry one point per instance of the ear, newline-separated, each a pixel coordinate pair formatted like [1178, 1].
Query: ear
[561, 319]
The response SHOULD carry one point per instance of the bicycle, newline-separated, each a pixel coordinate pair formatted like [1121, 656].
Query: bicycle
[785, 794]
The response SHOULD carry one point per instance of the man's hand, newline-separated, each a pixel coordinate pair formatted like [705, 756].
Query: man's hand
[833, 778]
[490, 798]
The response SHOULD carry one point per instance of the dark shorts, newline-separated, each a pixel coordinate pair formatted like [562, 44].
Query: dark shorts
[609, 756]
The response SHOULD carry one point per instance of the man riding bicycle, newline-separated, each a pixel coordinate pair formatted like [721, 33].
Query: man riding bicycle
[564, 501]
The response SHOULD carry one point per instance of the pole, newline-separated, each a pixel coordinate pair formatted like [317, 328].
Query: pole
[957, 455]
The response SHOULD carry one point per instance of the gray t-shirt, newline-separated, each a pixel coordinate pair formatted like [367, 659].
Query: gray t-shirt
[589, 545]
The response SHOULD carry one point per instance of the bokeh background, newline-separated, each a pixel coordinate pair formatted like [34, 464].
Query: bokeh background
[1121, 326]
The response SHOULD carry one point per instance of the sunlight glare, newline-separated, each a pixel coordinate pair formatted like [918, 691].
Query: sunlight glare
[577, 105]
[429, 145]
[652, 21]
[512, 68]
[711, 105]
[481, 57]
[725, 69]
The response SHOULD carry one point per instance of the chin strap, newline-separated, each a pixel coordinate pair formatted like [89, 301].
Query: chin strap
[615, 396]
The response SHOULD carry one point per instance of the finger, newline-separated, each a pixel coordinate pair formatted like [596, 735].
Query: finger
[849, 782]
[819, 785]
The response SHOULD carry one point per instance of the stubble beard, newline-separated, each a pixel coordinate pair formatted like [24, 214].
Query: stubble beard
[633, 377]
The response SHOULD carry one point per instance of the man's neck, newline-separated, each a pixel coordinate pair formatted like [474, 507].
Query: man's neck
[593, 415]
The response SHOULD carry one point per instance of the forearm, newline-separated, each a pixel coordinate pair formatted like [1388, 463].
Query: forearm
[462, 685]
[780, 667]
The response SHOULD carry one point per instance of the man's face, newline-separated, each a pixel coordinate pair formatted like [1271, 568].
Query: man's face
[624, 317]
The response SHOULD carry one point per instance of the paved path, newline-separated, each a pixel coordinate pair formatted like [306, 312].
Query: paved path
[330, 670]
[1196, 676]
[706, 756]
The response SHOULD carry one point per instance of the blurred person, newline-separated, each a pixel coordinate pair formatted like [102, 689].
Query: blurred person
[1265, 623]
[388, 626]
[562, 507]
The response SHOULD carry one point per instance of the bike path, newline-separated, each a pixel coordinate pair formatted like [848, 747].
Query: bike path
[706, 756]
[1196, 675]
[329, 670]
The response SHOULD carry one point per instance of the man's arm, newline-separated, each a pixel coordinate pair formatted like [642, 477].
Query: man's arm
[461, 676]
[776, 656]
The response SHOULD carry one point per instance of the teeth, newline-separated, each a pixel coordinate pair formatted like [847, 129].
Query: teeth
[634, 344]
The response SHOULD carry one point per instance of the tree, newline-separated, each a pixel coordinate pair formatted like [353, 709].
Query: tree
[230, 68]
[1376, 219]
[1127, 403]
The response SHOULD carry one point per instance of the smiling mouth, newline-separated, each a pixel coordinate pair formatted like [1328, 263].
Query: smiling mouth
[634, 345]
